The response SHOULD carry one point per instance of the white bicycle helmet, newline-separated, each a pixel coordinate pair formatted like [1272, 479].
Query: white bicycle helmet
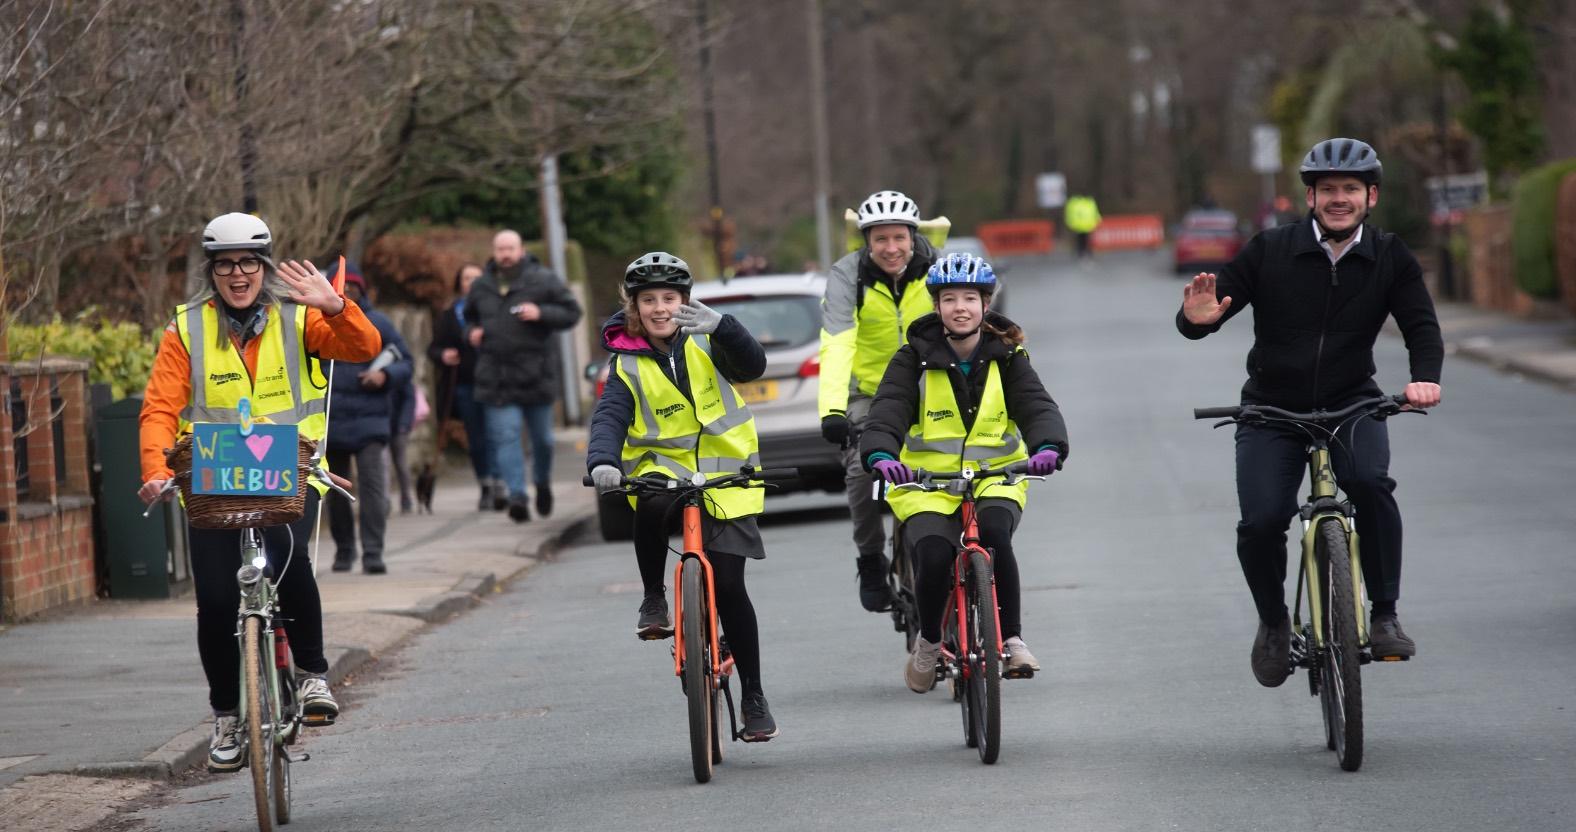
[888, 208]
[237, 232]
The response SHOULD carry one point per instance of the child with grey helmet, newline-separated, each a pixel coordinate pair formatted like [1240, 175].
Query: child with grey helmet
[963, 373]
[667, 350]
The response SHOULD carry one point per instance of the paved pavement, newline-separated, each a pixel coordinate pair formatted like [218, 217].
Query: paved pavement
[115, 689]
[539, 710]
[1544, 350]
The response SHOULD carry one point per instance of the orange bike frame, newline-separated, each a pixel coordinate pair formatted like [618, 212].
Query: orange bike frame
[694, 547]
[970, 543]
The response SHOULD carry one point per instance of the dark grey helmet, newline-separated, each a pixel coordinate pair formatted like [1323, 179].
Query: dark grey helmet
[658, 268]
[1341, 157]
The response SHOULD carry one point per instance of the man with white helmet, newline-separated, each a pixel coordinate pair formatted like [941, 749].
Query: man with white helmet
[872, 295]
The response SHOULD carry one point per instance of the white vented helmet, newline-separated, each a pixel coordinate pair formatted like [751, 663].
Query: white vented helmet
[888, 208]
[237, 232]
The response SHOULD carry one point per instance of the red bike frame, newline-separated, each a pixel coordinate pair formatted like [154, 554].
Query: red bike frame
[694, 547]
[960, 568]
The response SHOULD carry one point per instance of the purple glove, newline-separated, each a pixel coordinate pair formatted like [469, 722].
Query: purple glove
[893, 471]
[1043, 464]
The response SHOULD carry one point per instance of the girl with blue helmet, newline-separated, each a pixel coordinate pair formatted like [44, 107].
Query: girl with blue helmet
[963, 373]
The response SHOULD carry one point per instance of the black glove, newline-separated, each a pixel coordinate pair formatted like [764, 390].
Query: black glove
[834, 429]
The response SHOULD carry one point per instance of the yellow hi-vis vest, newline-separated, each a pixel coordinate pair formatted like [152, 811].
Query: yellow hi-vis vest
[289, 388]
[711, 431]
[937, 441]
[859, 357]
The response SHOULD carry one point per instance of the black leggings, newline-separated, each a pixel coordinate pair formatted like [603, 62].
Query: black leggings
[653, 524]
[216, 557]
[934, 555]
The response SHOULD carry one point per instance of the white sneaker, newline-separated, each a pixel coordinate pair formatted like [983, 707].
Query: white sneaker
[919, 672]
[224, 750]
[1020, 662]
[317, 701]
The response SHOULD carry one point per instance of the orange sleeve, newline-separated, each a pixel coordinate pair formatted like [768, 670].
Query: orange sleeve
[169, 390]
[348, 336]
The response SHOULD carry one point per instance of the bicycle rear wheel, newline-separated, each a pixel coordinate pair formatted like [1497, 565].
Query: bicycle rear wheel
[697, 668]
[984, 661]
[1341, 693]
[905, 611]
[257, 661]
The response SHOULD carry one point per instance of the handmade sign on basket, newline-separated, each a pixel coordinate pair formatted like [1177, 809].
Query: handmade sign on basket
[230, 479]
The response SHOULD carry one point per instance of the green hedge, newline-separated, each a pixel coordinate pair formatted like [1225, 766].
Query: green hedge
[1532, 235]
[121, 353]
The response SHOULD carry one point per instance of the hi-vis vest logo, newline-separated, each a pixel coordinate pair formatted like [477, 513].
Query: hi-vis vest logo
[276, 375]
[671, 409]
[223, 378]
[940, 414]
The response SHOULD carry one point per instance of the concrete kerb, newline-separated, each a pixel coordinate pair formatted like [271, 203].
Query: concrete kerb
[190, 746]
[1511, 361]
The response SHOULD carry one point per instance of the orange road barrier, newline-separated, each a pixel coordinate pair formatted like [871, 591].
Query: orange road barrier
[1125, 231]
[1011, 237]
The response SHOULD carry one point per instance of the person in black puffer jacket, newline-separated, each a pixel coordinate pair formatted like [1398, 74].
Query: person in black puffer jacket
[978, 384]
[358, 429]
[515, 311]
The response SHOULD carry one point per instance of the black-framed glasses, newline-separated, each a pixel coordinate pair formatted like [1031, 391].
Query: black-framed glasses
[246, 265]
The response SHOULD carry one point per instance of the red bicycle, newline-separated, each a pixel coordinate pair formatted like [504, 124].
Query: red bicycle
[700, 659]
[971, 646]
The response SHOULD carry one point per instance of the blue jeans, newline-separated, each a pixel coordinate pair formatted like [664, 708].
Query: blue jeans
[471, 414]
[504, 426]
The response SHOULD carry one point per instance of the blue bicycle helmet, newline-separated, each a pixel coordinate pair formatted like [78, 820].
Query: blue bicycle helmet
[961, 270]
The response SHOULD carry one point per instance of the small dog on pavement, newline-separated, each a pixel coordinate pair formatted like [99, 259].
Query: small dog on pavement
[426, 483]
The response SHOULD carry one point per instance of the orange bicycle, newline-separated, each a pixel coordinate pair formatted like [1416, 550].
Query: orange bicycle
[700, 660]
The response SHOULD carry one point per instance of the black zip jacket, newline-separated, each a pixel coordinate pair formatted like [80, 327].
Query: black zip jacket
[897, 403]
[1315, 323]
[738, 356]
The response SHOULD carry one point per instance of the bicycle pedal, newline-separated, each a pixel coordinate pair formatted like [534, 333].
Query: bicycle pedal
[1393, 658]
[1018, 674]
[297, 756]
[654, 635]
[318, 720]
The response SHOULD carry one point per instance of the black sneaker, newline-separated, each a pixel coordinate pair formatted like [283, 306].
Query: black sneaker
[485, 502]
[1272, 653]
[758, 723]
[500, 495]
[874, 592]
[373, 565]
[518, 512]
[343, 561]
[544, 500]
[654, 622]
[1386, 638]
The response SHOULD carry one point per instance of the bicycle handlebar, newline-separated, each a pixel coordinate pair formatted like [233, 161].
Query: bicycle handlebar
[928, 480]
[1385, 405]
[743, 479]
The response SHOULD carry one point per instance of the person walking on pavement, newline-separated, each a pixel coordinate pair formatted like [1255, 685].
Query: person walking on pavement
[513, 311]
[667, 351]
[1320, 291]
[451, 352]
[1083, 217]
[872, 295]
[402, 420]
[363, 414]
[252, 333]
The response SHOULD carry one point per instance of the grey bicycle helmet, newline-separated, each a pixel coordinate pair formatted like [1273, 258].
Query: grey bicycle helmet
[1341, 157]
[657, 269]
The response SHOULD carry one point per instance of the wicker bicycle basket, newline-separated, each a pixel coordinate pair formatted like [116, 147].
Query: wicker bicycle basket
[234, 511]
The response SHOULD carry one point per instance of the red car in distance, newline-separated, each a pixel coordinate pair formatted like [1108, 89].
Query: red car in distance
[1206, 240]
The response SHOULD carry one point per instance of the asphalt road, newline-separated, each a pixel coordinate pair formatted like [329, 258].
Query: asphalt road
[540, 710]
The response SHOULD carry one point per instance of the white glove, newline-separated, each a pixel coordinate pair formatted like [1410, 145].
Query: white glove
[696, 317]
[606, 477]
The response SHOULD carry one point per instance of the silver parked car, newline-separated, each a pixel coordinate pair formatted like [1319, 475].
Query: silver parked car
[783, 312]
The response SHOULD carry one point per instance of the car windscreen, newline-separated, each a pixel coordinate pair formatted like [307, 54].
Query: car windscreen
[777, 321]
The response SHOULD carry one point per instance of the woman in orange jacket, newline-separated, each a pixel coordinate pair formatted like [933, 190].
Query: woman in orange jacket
[249, 305]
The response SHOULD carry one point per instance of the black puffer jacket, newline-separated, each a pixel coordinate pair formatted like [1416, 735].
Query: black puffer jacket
[738, 356]
[897, 404]
[517, 362]
[1314, 323]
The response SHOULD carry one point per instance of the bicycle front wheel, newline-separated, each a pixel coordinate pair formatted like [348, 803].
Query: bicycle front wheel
[984, 680]
[697, 668]
[1342, 691]
[257, 661]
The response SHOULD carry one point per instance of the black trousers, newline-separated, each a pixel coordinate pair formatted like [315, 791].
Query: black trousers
[654, 523]
[216, 557]
[1271, 462]
[932, 541]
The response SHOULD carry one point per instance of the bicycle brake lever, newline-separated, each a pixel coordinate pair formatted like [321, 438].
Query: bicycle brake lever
[1222, 423]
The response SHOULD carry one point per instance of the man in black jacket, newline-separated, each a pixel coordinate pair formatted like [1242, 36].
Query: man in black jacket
[515, 310]
[1321, 289]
